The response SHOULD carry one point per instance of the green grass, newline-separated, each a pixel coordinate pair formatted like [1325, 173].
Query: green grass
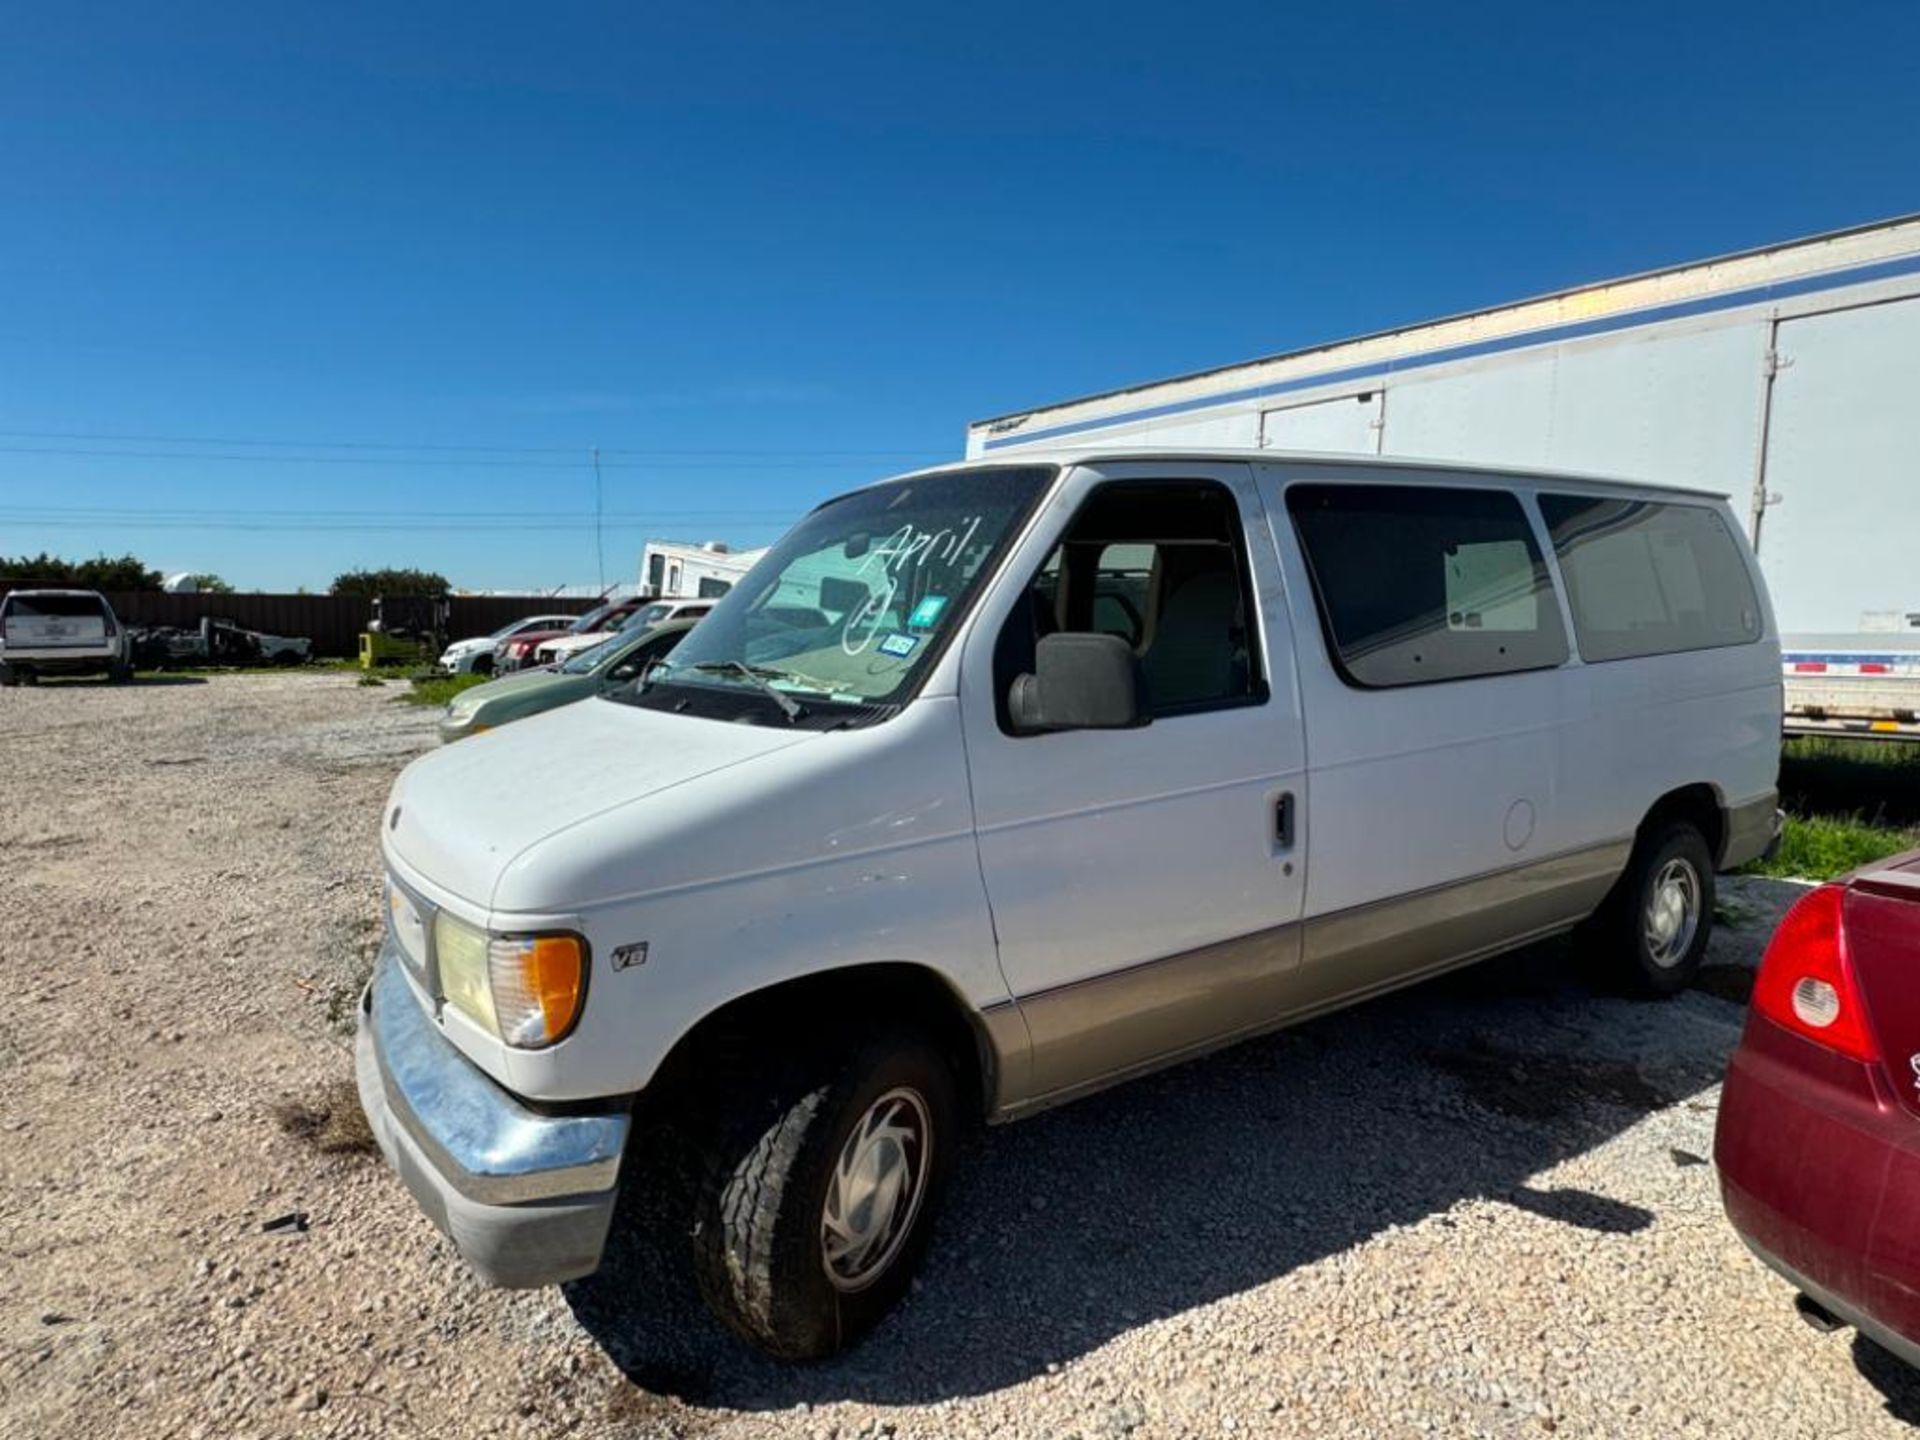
[439, 689]
[1819, 847]
[1848, 802]
[1876, 781]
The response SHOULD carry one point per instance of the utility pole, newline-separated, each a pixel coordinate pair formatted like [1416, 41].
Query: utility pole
[599, 549]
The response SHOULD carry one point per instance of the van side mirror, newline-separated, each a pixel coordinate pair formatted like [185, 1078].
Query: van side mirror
[1080, 682]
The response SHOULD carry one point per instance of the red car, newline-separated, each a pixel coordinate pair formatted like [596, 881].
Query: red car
[1819, 1132]
[517, 651]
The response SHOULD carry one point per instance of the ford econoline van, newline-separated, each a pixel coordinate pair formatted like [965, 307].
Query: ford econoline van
[993, 785]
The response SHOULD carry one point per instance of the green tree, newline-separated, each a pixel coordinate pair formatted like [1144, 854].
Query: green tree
[127, 572]
[211, 584]
[390, 582]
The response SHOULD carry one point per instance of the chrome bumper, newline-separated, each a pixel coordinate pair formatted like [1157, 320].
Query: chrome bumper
[525, 1196]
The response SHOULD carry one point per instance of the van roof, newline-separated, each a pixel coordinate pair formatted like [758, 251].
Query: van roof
[95, 594]
[1412, 469]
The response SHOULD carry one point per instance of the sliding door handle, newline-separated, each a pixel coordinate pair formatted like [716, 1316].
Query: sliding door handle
[1283, 820]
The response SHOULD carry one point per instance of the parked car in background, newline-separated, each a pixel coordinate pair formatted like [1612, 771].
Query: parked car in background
[618, 660]
[215, 642]
[61, 632]
[654, 612]
[988, 787]
[1818, 1138]
[516, 651]
[475, 656]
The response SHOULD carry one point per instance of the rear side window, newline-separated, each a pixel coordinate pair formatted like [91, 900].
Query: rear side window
[1650, 579]
[1416, 583]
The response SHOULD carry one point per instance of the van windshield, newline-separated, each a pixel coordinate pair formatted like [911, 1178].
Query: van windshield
[851, 607]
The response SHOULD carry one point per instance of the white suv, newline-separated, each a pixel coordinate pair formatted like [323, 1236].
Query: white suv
[61, 632]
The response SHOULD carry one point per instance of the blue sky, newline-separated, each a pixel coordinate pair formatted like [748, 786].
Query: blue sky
[769, 251]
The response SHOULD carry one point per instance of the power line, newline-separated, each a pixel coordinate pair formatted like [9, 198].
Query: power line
[377, 526]
[29, 513]
[708, 462]
[120, 437]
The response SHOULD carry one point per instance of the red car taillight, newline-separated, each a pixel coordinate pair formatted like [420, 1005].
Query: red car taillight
[1806, 982]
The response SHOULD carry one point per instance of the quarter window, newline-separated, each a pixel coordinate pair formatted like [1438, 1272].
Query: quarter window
[1650, 579]
[1420, 583]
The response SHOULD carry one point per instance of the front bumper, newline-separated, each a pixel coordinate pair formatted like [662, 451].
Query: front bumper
[525, 1195]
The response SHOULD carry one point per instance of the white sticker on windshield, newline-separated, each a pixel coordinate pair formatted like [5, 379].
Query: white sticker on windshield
[899, 645]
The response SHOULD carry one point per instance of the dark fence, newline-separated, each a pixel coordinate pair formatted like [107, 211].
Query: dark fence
[332, 622]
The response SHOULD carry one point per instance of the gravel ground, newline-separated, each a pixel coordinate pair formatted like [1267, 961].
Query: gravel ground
[1481, 1207]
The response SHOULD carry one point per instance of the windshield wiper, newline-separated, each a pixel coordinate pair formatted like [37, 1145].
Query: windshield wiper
[760, 675]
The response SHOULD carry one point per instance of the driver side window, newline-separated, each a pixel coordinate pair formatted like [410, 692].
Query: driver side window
[1162, 565]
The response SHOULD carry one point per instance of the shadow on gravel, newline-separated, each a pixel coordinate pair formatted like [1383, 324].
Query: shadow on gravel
[138, 682]
[1897, 1381]
[1208, 1180]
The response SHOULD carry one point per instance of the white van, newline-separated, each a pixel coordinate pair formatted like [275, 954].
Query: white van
[61, 632]
[996, 784]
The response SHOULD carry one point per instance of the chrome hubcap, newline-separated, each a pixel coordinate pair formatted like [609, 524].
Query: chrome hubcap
[875, 1193]
[1673, 913]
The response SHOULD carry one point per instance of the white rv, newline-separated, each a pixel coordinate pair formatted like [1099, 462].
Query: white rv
[672, 571]
[1783, 377]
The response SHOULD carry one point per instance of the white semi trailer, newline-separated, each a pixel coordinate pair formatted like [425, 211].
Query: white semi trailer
[1787, 377]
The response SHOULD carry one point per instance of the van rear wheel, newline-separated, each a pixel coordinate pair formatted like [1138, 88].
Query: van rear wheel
[1651, 934]
[815, 1189]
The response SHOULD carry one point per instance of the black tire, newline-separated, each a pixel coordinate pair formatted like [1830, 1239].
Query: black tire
[9, 677]
[1622, 938]
[765, 1161]
[482, 665]
[119, 673]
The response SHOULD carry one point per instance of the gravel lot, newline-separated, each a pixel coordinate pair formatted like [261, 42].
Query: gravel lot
[1480, 1207]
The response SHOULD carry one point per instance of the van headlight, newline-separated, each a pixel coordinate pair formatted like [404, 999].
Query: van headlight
[527, 989]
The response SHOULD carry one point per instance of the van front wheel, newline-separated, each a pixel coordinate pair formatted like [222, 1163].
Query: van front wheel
[1651, 934]
[814, 1201]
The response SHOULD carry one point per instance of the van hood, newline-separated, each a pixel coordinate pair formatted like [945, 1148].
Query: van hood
[457, 816]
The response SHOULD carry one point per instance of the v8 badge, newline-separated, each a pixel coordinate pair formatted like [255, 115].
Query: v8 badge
[630, 957]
